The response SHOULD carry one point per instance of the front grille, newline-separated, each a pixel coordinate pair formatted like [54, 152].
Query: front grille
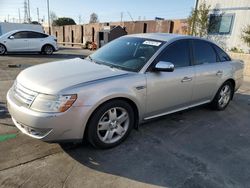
[23, 95]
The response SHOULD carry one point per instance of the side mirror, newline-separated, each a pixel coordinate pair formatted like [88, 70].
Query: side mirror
[163, 66]
[11, 37]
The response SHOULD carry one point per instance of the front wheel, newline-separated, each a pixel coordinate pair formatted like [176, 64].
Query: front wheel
[2, 49]
[110, 124]
[223, 96]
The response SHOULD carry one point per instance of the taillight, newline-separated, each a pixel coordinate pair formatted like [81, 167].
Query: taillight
[55, 40]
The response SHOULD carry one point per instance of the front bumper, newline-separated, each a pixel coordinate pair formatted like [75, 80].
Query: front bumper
[50, 127]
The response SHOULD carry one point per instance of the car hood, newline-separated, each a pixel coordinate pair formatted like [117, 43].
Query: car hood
[51, 78]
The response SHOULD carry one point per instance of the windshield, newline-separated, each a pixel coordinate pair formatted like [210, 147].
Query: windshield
[127, 53]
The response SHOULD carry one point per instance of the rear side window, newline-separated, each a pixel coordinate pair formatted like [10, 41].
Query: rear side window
[177, 53]
[203, 52]
[222, 55]
[36, 35]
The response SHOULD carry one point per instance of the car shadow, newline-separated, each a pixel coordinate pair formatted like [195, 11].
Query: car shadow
[193, 148]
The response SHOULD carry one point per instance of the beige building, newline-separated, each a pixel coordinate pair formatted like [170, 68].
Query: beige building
[227, 20]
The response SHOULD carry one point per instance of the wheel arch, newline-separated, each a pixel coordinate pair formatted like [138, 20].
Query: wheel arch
[129, 101]
[232, 81]
[49, 45]
[4, 46]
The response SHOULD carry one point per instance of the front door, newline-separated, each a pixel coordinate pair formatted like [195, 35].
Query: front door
[17, 42]
[170, 91]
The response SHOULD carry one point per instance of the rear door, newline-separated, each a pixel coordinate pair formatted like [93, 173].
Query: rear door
[35, 41]
[169, 91]
[19, 43]
[208, 71]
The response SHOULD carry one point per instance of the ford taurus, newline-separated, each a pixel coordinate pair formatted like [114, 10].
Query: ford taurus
[130, 80]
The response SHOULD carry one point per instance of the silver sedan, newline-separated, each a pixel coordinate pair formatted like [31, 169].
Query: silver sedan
[130, 80]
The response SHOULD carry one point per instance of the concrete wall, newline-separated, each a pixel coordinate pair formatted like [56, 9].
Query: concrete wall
[245, 58]
[241, 11]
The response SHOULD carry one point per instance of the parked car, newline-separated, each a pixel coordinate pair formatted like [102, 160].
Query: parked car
[130, 80]
[27, 41]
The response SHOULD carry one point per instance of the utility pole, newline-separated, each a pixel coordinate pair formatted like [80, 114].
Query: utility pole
[19, 15]
[121, 17]
[29, 20]
[195, 15]
[26, 16]
[38, 19]
[80, 19]
[8, 18]
[48, 16]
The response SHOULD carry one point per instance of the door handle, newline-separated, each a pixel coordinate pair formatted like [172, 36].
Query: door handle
[219, 73]
[187, 79]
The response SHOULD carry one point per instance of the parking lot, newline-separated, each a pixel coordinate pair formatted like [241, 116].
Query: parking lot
[194, 148]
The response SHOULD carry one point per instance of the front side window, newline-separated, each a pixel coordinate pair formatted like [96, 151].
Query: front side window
[220, 24]
[21, 35]
[177, 53]
[203, 52]
[128, 53]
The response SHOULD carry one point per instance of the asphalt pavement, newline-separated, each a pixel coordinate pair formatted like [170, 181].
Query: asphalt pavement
[195, 148]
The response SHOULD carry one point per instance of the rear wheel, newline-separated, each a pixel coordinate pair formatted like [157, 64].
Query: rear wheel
[110, 124]
[2, 49]
[48, 49]
[223, 96]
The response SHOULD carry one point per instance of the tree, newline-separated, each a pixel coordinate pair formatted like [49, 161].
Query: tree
[63, 21]
[93, 18]
[198, 20]
[246, 35]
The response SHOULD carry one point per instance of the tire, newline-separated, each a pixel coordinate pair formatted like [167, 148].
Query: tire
[48, 49]
[2, 49]
[223, 96]
[104, 129]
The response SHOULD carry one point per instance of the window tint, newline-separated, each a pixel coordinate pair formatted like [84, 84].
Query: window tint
[177, 53]
[128, 53]
[21, 35]
[36, 35]
[203, 52]
[222, 55]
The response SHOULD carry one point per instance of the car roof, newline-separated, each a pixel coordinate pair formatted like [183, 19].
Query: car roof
[166, 37]
[18, 30]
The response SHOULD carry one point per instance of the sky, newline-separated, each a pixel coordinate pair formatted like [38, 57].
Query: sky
[107, 10]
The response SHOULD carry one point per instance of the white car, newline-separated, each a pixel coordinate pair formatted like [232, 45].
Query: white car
[27, 41]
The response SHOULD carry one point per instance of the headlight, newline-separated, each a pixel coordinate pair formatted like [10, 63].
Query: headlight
[53, 103]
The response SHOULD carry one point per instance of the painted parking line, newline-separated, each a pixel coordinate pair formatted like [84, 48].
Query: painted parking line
[5, 137]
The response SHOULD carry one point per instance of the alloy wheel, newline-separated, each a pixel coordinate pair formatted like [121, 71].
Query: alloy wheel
[2, 50]
[48, 50]
[224, 96]
[113, 125]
